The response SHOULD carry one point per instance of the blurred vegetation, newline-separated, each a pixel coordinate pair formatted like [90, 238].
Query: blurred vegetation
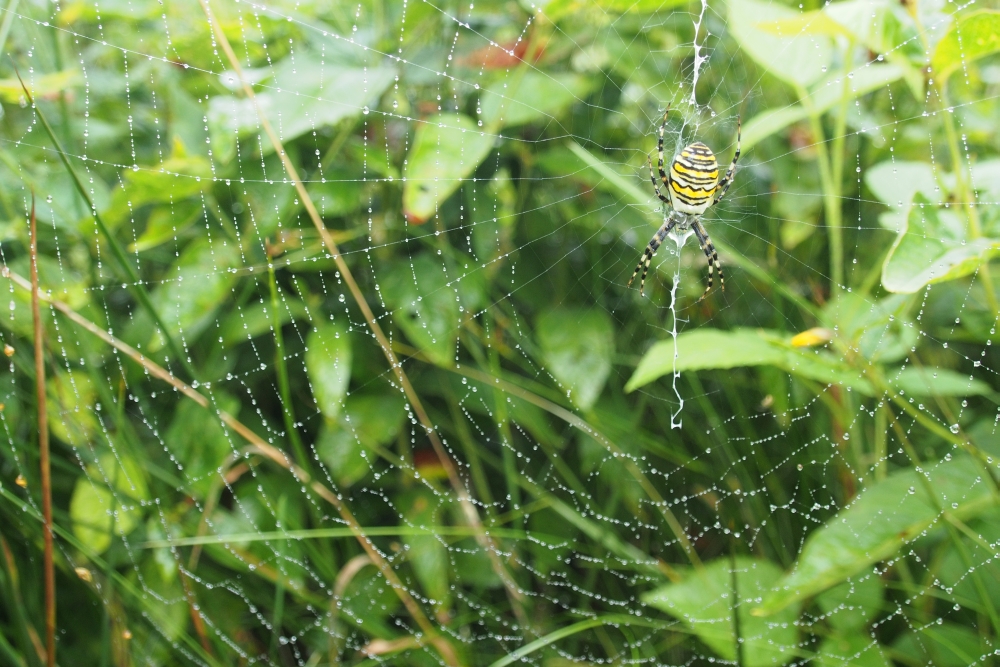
[831, 497]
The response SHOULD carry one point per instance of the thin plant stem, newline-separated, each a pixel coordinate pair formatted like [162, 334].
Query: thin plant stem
[282, 371]
[735, 603]
[831, 196]
[279, 589]
[43, 452]
[840, 127]
[503, 424]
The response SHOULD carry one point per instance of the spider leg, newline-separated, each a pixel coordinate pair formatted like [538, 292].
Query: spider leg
[727, 180]
[650, 252]
[713, 257]
[659, 150]
[652, 177]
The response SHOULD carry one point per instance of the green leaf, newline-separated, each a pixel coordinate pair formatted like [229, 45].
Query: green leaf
[793, 56]
[853, 604]
[198, 283]
[256, 319]
[165, 223]
[937, 382]
[424, 305]
[714, 349]
[954, 574]
[328, 364]
[986, 176]
[862, 81]
[45, 86]
[532, 96]
[851, 650]
[446, 149]
[340, 195]
[879, 522]
[72, 398]
[932, 248]
[98, 511]
[427, 554]
[944, 645]
[197, 438]
[173, 180]
[558, 9]
[367, 422]
[896, 182]
[703, 602]
[306, 92]
[973, 36]
[880, 331]
[576, 346]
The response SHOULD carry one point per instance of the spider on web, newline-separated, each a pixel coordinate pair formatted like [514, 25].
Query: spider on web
[693, 186]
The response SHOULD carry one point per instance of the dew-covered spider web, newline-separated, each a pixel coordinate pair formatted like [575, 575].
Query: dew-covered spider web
[341, 365]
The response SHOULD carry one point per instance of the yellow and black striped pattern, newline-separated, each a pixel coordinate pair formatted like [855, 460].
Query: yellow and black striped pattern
[692, 185]
[694, 176]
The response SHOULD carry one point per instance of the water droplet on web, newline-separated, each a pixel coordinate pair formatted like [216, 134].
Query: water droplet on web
[365, 110]
[955, 428]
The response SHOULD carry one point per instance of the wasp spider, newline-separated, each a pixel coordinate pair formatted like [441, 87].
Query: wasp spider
[693, 185]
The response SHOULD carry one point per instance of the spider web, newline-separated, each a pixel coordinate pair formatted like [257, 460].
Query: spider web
[534, 465]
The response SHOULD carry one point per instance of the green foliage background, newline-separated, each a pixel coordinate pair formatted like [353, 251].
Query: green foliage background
[831, 497]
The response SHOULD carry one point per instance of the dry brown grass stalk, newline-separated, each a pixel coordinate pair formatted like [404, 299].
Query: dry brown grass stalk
[43, 451]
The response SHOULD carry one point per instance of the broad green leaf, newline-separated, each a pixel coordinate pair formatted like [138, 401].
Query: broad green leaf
[954, 574]
[427, 554]
[885, 30]
[558, 9]
[172, 181]
[197, 437]
[45, 86]
[851, 650]
[881, 331]
[531, 96]
[879, 522]
[828, 94]
[937, 382]
[256, 319]
[166, 223]
[328, 363]
[424, 305]
[714, 349]
[703, 602]
[798, 213]
[896, 182]
[852, 605]
[943, 645]
[72, 398]
[340, 195]
[198, 283]
[366, 422]
[446, 149]
[796, 57]
[576, 346]
[305, 93]
[986, 176]
[97, 513]
[926, 251]
[973, 36]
